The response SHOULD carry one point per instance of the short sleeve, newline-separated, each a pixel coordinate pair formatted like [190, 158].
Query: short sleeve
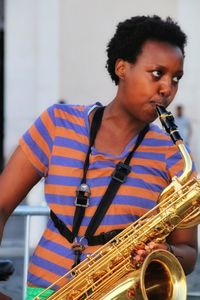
[37, 141]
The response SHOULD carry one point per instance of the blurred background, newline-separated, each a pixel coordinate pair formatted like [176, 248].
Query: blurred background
[53, 51]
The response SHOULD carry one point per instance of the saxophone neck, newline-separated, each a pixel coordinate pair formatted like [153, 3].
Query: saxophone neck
[167, 121]
[187, 161]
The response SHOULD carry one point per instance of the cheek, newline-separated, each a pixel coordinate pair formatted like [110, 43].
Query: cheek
[175, 91]
[138, 88]
[173, 94]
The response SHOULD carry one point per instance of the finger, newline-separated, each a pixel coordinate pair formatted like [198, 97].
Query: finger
[142, 252]
[137, 258]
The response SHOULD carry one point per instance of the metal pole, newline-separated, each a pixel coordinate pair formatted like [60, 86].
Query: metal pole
[26, 254]
[194, 295]
[28, 211]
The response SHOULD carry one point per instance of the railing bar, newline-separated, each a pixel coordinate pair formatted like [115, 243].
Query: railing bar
[26, 254]
[24, 210]
[194, 294]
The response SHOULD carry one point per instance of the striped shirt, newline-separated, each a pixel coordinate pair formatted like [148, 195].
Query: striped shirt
[56, 145]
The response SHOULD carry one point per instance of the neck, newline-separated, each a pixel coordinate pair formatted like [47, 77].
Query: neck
[118, 116]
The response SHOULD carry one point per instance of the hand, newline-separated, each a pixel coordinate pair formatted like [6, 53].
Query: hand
[138, 255]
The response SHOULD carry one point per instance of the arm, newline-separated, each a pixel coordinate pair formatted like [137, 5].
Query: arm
[184, 246]
[16, 181]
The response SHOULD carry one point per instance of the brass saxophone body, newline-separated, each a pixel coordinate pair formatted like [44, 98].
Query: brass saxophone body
[109, 274]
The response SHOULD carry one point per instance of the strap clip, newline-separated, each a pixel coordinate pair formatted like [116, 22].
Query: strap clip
[82, 195]
[121, 172]
[77, 249]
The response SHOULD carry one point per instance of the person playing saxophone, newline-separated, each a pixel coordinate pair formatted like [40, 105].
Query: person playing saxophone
[145, 60]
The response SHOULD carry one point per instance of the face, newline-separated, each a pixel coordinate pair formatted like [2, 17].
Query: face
[152, 80]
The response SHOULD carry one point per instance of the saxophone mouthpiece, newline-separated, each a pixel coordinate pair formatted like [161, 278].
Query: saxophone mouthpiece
[160, 110]
[167, 121]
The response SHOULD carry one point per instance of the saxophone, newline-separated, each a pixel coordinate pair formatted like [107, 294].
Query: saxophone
[109, 274]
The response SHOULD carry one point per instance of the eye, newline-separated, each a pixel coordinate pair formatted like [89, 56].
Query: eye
[157, 73]
[176, 79]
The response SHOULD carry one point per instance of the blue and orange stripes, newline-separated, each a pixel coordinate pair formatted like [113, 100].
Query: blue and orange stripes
[56, 145]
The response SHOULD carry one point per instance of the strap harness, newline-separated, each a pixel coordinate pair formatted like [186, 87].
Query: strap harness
[83, 193]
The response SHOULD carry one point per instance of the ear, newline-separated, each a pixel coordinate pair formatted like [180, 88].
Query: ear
[120, 68]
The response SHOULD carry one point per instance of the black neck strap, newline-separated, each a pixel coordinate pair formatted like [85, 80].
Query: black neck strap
[83, 192]
[96, 123]
[119, 176]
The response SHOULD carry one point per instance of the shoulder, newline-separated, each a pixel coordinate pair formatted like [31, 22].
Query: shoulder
[64, 110]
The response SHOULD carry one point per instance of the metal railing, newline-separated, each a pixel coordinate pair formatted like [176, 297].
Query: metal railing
[29, 211]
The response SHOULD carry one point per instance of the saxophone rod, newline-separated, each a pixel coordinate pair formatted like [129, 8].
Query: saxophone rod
[167, 121]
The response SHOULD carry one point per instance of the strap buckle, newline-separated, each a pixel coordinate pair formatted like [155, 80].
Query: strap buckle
[82, 195]
[77, 248]
[121, 172]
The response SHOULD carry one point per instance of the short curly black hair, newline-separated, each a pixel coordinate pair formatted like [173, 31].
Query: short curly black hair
[131, 34]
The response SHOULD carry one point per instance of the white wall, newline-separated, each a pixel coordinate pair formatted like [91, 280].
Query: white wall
[189, 93]
[86, 28]
[31, 63]
[57, 49]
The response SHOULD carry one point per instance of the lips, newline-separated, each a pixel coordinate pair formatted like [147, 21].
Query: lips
[155, 103]
[162, 103]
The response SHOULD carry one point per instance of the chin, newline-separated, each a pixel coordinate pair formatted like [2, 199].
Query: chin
[151, 117]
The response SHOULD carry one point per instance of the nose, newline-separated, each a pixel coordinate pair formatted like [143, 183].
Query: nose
[165, 88]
